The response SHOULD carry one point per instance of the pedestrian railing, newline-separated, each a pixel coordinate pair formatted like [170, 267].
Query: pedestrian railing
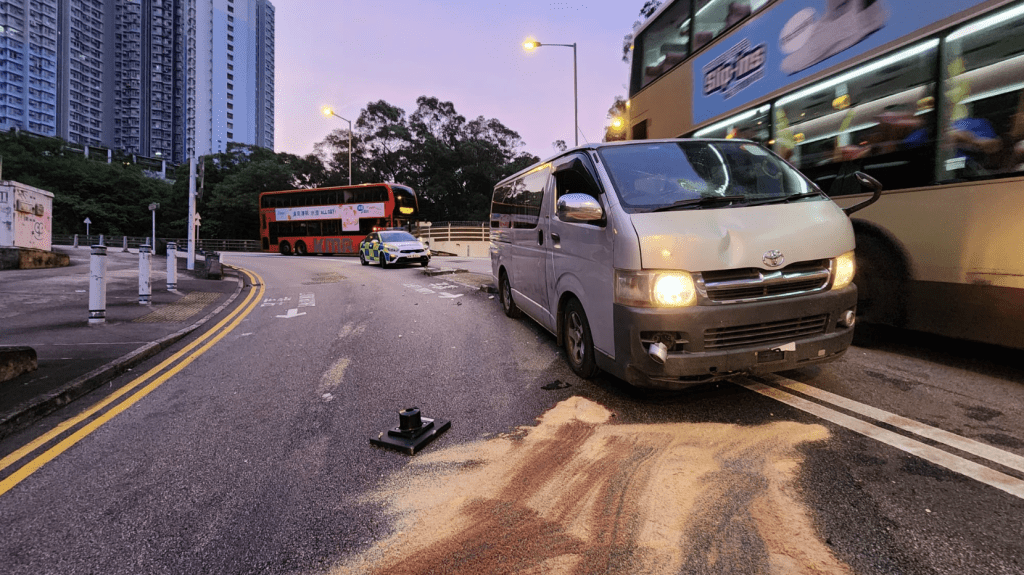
[455, 232]
[113, 242]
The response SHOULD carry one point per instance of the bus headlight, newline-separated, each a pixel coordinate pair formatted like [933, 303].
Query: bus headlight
[844, 269]
[654, 288]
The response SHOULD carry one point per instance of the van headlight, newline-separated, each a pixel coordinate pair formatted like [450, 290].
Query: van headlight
[844, 270]
[654, 288]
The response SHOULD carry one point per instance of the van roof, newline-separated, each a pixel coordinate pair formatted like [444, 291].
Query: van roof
[597, 145]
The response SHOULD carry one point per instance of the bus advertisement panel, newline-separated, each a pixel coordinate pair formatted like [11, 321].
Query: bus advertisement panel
[795, 39]
[332, 220]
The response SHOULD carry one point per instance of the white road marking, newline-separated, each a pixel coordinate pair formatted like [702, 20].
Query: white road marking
[307, 300]
[294, 312]
[952, 462]
[971, 446]
[275, 301]
[450, 295]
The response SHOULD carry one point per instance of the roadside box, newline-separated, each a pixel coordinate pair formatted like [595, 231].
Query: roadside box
[26, 216]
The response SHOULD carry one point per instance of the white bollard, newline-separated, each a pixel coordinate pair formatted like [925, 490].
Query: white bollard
[101, 241]
[125, 244]
[172, 266]
[98, 285]
[76, 240]
[145, 285]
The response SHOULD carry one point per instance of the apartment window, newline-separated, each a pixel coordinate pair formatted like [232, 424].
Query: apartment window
[231, 106]
[231, 8]
[231, 38]
[231, 66]
[231, 18]
[231, 116]
[231, 126]
[231, 47]
[231, 56]
[231, 28]
[231, 76]
[231, 136]
[231, 96]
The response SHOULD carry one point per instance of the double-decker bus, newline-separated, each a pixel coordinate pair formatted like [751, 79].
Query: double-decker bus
[927, 96]
[332, 220]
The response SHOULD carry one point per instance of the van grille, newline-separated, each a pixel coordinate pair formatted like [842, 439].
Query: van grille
[762, 333]
[752, 284]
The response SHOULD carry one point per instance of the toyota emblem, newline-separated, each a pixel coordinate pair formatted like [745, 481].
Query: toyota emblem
[773, 258]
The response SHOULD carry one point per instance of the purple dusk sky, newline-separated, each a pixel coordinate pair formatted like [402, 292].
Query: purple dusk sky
[347, 53]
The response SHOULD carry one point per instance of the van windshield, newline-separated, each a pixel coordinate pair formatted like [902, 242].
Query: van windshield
[659, 176]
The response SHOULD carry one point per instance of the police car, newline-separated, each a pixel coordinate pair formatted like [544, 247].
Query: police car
[392, 247]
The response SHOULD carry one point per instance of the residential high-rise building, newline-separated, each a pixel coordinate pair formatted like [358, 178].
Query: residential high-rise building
[235, 76]
[158, 78]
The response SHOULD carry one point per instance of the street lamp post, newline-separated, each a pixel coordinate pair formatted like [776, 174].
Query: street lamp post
[533, 44]
[330, 112]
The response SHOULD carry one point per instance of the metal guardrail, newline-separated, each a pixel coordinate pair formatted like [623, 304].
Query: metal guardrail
[455, 232]
[206, 245]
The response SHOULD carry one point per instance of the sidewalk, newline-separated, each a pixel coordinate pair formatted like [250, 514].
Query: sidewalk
[48, 310]
[470, 271]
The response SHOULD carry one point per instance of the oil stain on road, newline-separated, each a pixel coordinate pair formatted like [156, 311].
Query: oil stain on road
[580, 494]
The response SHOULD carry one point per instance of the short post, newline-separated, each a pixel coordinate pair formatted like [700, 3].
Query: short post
[98, 285]
[172, 266]
[145, 285]
[76, 240]
[125, 244]
[101, 241]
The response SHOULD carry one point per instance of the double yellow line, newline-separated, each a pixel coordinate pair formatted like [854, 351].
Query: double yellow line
[210, 338]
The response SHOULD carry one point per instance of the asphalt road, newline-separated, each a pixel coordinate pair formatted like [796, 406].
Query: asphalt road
[253, 456]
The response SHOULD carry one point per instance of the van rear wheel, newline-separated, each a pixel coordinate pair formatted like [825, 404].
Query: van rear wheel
[579, 345]
[505, 295]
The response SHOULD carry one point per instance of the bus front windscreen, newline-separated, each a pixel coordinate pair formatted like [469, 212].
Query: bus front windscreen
[657, 176]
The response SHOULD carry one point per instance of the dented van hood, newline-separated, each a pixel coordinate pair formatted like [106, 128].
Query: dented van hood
[728, 238]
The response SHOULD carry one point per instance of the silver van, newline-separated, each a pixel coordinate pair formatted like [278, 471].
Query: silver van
[674, 262]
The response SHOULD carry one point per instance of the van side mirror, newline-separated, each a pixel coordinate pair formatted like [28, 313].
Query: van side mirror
[869, 183]
[579, 208]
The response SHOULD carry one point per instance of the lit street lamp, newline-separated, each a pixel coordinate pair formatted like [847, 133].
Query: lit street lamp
[533, 44]
[329, 112]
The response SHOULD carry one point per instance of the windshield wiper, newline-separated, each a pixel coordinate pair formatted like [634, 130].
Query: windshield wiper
[701, 202]
[786, 199]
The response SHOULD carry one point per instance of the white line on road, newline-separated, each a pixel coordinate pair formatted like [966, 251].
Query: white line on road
[971, 446]
[952, 462]
[294, 312]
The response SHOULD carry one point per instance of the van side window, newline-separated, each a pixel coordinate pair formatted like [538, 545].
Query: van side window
[517, 205]
[575, 177]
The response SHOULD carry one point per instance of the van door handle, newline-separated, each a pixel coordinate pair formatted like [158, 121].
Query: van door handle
[555, 237]
[540, 237]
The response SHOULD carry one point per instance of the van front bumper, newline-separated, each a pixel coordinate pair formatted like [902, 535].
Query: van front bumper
[716, 341]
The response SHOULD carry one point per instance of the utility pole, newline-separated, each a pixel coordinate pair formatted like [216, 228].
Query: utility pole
[191, 262]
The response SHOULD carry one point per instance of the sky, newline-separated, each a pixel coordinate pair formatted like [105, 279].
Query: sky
[347, 53]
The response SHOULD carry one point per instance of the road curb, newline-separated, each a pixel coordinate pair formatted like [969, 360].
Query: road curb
[23, 415]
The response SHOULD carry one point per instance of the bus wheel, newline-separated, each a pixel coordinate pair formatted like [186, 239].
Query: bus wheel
[285, 248]
[879, 283]
[362, 260]
[579, 345]
[300, 248]
[505, 295]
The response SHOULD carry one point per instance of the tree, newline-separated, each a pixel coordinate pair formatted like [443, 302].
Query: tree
[648, 9]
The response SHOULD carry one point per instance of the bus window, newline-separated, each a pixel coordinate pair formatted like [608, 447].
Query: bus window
[983, 120]
[878, 117]
[662, 44]
[750, 125]
[716, 16]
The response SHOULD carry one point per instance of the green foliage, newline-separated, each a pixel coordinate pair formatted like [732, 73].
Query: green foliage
[452, 163]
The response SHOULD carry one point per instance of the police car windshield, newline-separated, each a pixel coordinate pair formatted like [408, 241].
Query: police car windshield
[684, 175]
[396, 237]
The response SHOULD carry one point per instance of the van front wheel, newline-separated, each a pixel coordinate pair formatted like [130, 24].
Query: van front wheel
[579, 345]
[505, 295]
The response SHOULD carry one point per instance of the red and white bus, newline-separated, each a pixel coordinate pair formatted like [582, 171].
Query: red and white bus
[332, 220]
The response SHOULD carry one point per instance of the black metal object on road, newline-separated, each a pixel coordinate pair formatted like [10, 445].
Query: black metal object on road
[413, 432]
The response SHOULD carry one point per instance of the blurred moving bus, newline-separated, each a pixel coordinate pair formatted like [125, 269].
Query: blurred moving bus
[927, 96]
[332, 220]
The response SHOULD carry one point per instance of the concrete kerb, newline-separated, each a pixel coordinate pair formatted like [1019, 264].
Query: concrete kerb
[30, 411]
